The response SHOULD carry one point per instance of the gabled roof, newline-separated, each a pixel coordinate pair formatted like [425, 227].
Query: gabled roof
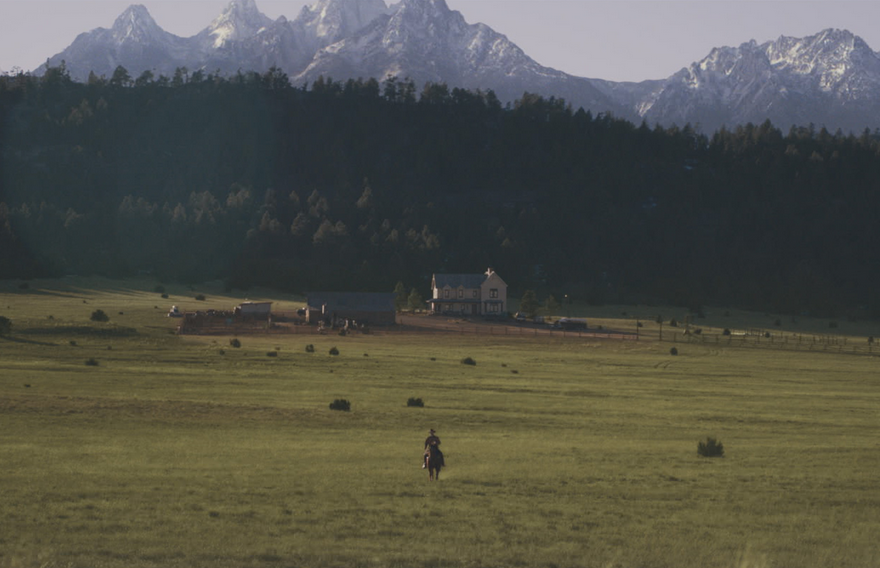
[352, 301]
[459, 280]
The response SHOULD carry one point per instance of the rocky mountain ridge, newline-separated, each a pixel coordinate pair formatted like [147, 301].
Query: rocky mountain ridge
[829, 79]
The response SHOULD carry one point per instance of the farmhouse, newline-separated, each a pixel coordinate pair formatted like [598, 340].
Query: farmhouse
[469, 294]
[361, 307]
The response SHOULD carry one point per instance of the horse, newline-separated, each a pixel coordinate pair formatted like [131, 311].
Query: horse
[435, 463]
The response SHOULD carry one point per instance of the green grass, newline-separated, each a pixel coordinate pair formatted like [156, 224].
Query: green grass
[171, 454]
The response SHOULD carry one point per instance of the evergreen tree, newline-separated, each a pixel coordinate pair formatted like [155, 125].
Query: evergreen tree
[415, 301]
[401, 299]
[528, 304]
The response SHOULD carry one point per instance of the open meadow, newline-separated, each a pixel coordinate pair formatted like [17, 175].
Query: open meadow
[125, 445]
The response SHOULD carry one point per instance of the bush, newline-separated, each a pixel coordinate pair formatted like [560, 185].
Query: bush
[726, 331]
[92, 362]
[310, 348]
[711, 448]
[334, 351]
[673, 351]
[340, 404]
[99, 315]
[272, 354]
[468, 361]
[415, 402]
[5, 325]
[235, 342]
[201, 297]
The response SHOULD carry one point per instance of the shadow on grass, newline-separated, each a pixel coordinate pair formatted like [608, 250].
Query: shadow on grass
[81, 330]
[25, 341]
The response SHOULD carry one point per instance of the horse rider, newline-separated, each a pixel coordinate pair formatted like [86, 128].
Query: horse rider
[432, 440]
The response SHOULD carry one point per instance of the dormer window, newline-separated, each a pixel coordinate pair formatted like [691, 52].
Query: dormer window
[460, 293]
[446, 294]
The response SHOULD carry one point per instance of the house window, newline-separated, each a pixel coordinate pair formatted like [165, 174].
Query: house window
[446, 294]
[493, 293]
[461, 293]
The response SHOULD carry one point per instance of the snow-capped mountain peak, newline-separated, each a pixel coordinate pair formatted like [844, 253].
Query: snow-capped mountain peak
[241, 20]
[328, 21]
[136, 25]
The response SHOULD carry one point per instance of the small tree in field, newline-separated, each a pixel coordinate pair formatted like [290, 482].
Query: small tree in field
[5, 326]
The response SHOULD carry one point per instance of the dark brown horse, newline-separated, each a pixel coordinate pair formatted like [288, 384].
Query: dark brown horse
[435, 463]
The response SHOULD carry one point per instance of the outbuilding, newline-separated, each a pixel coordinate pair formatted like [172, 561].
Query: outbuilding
[362, 308]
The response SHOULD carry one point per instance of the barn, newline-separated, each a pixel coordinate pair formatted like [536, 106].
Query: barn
[364, 308]
[254, 310]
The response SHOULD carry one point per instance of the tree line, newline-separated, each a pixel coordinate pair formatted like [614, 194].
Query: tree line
[362, 184]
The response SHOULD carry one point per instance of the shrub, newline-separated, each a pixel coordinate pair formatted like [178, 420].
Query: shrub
[165, 296]
[99, 315]
[415, 402]
[72, 343]
[711, 448]
[310, 348]
[235, 342]
[334, 351]
[272, 354]
[468, 361]
[5, 325]
[340, 404]
[222, 352]
[92, 362]
[726, 331]
[673, 351]
[673, 323]
[201, 297]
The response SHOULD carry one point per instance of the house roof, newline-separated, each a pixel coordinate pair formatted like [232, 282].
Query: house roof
[459, 280]
[351, 301]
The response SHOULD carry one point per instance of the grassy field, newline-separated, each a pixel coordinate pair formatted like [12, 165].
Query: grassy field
[181, 452]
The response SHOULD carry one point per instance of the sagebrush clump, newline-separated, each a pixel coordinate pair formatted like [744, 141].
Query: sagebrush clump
[415, 402]
[468, 361]
[99, 315]
[711, 448]
[340, 404]
[235, 342]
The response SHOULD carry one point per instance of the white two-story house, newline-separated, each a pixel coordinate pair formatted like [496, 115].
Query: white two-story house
[469, 294]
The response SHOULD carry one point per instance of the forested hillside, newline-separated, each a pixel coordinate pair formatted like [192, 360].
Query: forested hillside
[361, 184]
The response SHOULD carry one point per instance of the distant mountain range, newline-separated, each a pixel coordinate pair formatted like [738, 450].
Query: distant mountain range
[829, 79]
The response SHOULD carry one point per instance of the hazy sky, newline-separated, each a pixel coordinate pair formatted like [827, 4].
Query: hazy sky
[621, 40]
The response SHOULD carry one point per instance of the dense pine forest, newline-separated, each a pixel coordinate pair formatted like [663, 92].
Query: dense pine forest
[361, 184]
